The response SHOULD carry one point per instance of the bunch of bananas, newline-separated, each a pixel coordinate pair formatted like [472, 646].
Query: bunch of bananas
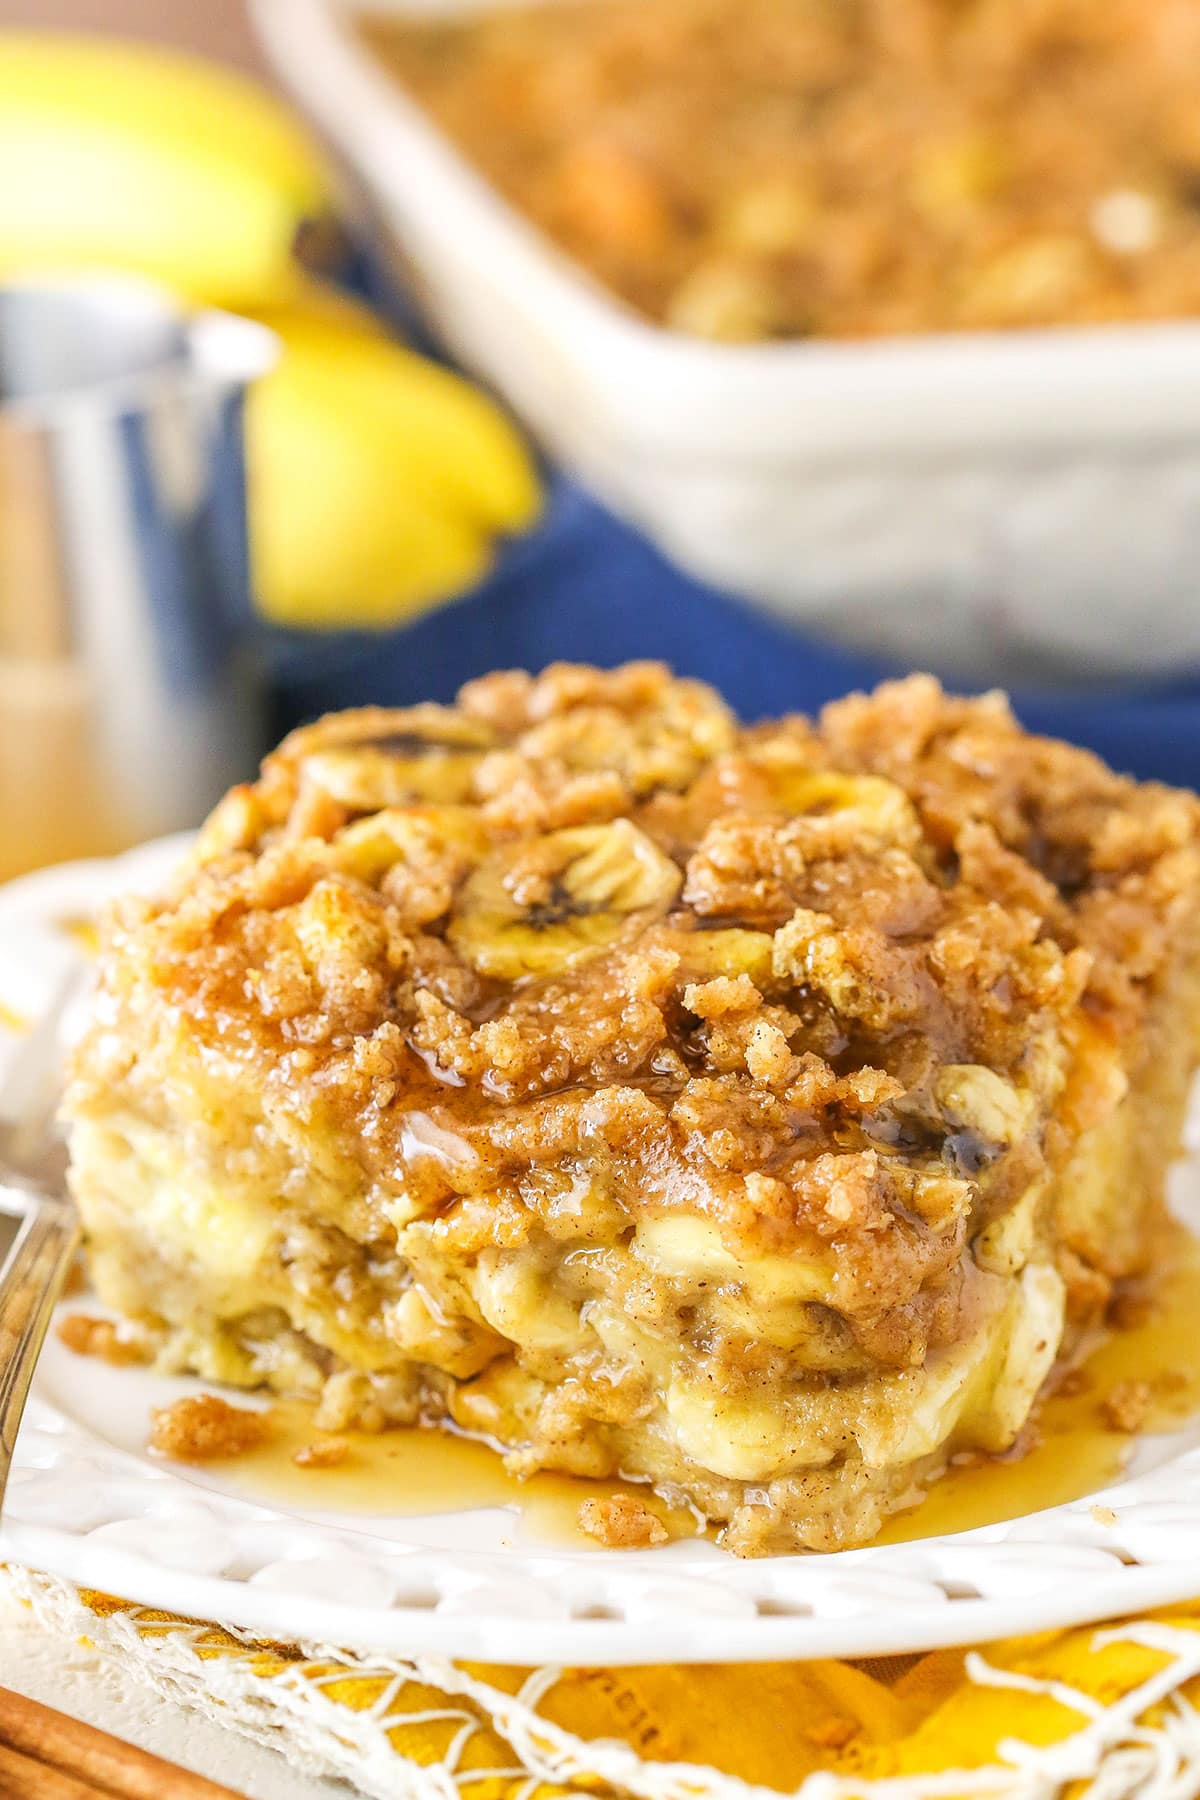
[378, 482]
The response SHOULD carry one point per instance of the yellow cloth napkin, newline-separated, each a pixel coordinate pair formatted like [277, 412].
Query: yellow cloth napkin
[1109, 1711]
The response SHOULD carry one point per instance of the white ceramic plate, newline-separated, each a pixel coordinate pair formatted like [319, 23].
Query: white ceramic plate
[86, 1503]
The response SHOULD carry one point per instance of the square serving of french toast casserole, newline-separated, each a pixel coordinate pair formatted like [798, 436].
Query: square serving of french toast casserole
[758, 1111]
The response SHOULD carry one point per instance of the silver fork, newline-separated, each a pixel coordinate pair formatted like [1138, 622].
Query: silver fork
[32, 1192]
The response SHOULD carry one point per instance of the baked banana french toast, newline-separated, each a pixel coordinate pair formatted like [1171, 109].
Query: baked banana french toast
[761, 1112]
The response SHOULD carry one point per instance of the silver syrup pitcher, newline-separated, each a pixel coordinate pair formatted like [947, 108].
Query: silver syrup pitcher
[126, 704]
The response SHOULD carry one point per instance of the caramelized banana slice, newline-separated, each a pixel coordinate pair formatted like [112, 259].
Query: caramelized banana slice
[417, 855]
[865, 808]
[432, 754]
[541, 907]
[372, 845]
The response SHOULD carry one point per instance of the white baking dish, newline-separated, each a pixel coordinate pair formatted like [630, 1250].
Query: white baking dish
[987, 503]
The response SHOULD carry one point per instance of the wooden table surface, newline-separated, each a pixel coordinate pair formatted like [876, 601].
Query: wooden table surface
[216, 26]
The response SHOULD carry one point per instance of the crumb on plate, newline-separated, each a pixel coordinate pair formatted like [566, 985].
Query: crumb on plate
[322, 1453]
[89, 1336]
[622, 1522]
[204, 1428]
[1126, 1407]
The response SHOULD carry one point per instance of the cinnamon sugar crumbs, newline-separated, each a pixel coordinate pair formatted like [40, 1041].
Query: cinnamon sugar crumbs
[622, 1522]
[205, 1428]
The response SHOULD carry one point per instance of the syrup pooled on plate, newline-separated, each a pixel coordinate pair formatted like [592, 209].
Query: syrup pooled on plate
[1073, 1448]
[408, 1471]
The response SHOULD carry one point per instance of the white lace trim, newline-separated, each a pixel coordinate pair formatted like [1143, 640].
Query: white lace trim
[1112, 1754]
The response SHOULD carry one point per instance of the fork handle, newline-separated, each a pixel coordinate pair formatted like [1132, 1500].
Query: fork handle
[30, 1282]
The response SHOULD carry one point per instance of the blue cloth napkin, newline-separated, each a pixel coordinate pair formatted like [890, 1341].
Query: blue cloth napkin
[587, 588]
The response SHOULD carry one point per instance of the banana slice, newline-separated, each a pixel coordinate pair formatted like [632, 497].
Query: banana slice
[545, 906]
[876, 812]
[415, 837]
[431, 754]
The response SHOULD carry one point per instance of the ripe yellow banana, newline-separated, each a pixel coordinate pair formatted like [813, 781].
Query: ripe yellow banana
[378, 481]
[124, 156]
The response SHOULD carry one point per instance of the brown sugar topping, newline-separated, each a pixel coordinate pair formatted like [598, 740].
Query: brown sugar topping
[826, 984]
